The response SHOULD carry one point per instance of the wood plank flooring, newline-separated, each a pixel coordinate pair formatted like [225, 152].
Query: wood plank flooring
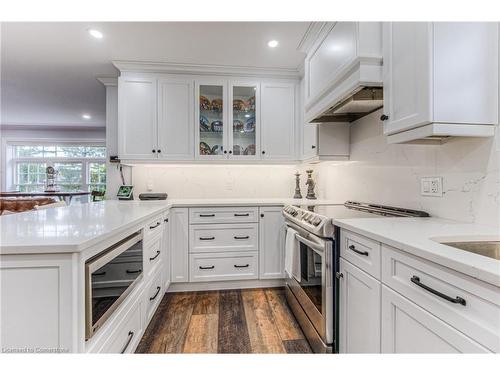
[226, 321]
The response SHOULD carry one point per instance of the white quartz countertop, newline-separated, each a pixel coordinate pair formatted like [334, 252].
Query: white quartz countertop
[422, 237]
[79, 226]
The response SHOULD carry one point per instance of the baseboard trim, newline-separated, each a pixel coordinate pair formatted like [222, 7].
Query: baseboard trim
[224, 285]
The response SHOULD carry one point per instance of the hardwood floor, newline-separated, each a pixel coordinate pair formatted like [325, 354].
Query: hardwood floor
[226, 321]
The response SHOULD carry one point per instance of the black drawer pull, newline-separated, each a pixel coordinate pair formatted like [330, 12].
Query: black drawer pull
[238, 266]
[207, 238]
[237, 215]
[353, 248]
[130, 335]
[241, 237]
[156, 294]
[135, 271]
[207, 268]
[156, 256]
[155, 226]
[207, 215]
[416, 280]
[99, 273]
[166, 220]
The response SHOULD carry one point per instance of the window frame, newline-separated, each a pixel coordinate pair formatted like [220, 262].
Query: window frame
[14, 161]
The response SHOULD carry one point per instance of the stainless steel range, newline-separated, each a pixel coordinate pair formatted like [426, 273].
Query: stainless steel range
[312, 261]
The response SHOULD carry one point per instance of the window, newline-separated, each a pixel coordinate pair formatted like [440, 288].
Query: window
[79, 167]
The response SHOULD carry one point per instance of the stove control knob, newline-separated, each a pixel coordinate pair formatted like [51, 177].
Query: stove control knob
[317, 221]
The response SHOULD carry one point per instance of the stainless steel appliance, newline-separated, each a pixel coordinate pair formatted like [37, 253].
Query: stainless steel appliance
[312, 289]
[109, 277]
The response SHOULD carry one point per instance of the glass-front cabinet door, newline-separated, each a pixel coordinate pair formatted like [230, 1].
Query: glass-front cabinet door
[244, 118]
[212, 120]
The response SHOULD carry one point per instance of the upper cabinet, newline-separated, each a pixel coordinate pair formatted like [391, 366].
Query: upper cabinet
[137, 122]
[278, 121]
[155, 118]
[440, 79]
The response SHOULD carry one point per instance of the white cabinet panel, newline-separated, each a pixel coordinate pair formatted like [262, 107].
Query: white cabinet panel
[359, 328]
[137, 122]
[179, 226]
[224, 266]
[361, 251]
[206, 238]
[219, 215]
[167, 256]
[272, 243]
[278, 121]
[407, 328]
[175, 119]
[407, 75]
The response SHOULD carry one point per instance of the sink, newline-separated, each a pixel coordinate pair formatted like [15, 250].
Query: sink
[489, 249]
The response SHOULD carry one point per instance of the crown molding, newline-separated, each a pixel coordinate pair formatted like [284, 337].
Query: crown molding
[42, 127]
[108, 80]
[310, 36]
[220, 70]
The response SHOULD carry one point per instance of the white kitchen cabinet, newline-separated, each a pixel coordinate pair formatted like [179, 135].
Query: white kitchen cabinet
[137, 120]
[407, 328]
[179, 228]
[278, 121]
[167, 256]
[272, 243]
[175, 119]
[359, 327]
[334, 141]
[440, 79]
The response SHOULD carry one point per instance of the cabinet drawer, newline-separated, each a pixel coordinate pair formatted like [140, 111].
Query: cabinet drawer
[126, 336]
[218, 215]
[153, 295]
[224, 266]
[361, 251]
[152, 254]
[153, 227]
[407, 328]
[223, 237]
[474, 308]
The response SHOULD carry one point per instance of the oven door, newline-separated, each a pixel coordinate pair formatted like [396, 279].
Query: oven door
[109, 277]
[313, 285]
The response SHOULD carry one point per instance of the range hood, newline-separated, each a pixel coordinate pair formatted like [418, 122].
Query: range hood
[360, 103]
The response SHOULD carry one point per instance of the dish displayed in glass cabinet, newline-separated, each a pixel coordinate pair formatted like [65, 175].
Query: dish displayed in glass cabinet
[217, 126]
[204, 124]
[250, 150]
[204, 103]
[249, 126]
[205, 149]
[217, 105]
[238, 126]
[237, 150]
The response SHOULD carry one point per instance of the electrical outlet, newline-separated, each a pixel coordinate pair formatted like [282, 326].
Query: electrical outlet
[431, 186]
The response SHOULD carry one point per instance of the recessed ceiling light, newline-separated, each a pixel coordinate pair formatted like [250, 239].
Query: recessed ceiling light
[273, 43]
[95, 33]
[86, 116]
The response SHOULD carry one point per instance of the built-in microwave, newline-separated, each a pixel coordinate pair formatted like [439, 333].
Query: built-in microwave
[110, 276]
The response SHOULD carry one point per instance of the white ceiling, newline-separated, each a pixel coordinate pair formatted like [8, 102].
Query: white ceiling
[48, 70]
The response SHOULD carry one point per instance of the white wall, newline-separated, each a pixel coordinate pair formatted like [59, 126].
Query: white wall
[217, 181]
[390, 174]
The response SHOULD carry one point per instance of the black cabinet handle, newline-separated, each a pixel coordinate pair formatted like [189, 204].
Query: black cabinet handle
[384, 117]
[353, 248]
[207, 215]
[263, 152]
[99, 273]
[225, 151]
[416, 280]
[135, 271]
[339, 275]
[159, 151]
[261, 215]
[230, 152]
[130, 335]
[238, 266]
[241, 237]
[156, 294]
[166, 220]
[313, 146]
[207, 268]
[154, 226]
[237, 215]
[156, 256]
[153, 151]
[207, 238]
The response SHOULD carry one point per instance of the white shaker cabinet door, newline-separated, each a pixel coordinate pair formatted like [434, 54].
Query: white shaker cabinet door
[359, 328]
[179, 237]
[278, 121]
[137, 122]
[407, 75]
[272, 244]
[175, 119]
[407, 328]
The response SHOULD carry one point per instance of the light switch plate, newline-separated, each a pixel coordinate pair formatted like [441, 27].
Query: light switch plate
[431, 186]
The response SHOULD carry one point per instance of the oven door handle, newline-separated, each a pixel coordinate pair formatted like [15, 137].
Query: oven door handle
[318, 246]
